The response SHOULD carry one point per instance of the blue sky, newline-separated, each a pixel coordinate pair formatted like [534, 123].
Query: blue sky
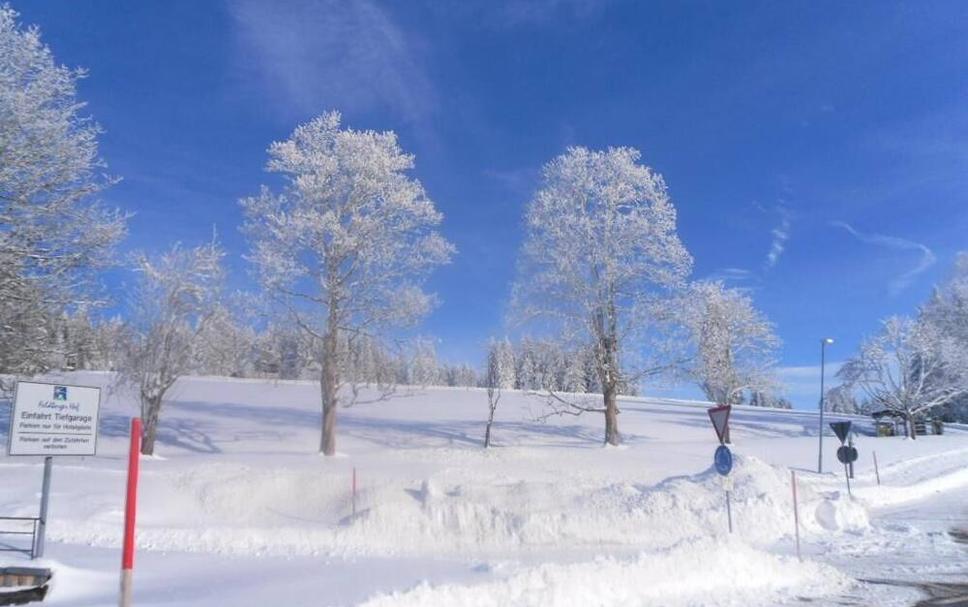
[816, 151]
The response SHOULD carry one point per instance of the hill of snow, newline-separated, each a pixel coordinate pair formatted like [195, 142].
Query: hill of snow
[238, 505]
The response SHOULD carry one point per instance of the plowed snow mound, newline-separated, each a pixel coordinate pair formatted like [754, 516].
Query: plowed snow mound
[241, 510]
[701, 572]
[443, 515]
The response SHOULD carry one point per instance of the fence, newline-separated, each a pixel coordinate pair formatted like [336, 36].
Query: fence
[33, 522]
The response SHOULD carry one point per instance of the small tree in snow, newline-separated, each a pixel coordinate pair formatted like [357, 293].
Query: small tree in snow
[733, 344]
[174, 301]
[52, 235]
[495, 377]
[900, 368]
[600, 246]
[346, 244]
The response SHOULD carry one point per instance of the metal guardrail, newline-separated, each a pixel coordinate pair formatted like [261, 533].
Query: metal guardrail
[33, 533]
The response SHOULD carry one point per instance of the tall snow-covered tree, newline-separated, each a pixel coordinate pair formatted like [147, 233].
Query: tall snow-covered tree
[175, 299]
[601, 246]
[346, 244]
[423, 368]
[505, 367]
[526, 370]
[911, 367]
[947, 311]
[733, 344]
[54, 235]
[228, 345]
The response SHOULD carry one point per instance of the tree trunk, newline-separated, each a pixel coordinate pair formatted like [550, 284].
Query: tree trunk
[493, 397]
[328, 384]
[487, 430]
[913, 430]
[609, 392]
[609, 372]
[150, 431]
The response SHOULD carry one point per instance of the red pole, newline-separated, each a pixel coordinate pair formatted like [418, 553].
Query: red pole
[130, 508]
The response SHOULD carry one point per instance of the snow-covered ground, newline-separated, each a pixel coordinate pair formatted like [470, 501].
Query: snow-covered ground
[239, 509]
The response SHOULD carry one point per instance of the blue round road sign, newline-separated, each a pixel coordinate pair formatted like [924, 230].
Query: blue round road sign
[847, 454]
[723, 460]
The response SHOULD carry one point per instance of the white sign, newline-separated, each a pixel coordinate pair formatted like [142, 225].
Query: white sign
[53, 419]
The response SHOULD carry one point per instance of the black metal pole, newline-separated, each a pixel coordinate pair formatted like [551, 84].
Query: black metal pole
[850, 443]
[823, 346]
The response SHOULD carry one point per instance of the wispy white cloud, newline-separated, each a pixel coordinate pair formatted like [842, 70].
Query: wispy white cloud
[903, 280]
[734, 274]
[520, 180]
[510, 14]
[316, 55]
[780, 235]
[740, 279]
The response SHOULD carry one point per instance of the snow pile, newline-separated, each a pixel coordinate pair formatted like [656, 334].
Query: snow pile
[245, 510]
[698, 572]
[445, 515]
[839, 514]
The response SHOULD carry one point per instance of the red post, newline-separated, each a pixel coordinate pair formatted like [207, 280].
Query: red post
[130, 508]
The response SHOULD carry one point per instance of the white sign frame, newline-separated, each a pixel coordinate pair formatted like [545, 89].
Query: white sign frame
[47, 412]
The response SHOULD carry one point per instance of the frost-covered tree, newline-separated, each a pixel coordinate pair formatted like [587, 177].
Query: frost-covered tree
[732, 343]
[947, 311]
[841, 399]
[601, 246]
[462, 375]
[346, 244]
[503, 355]
[227, 346]
[526, 372]
[767, 399]
[423, 368]
[109, 339]
[53, 234]
[174, 300]
[911, 367]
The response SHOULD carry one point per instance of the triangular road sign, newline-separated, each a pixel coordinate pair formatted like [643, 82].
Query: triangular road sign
[720, 419]
[840, 429]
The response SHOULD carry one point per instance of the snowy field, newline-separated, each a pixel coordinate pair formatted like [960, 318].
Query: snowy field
[238, 508]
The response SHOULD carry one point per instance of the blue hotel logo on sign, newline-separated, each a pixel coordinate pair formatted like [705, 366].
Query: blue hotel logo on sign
[60, 392]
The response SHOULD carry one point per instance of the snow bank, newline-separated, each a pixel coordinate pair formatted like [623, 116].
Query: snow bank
[444, 515]
[236, 509]
[698, 572]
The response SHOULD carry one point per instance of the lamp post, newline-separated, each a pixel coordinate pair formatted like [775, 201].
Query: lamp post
[823, 346]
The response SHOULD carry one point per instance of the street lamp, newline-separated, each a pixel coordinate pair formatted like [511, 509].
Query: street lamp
[823, 346]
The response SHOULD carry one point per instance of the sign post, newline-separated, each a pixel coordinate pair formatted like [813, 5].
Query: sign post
[847, 454]
[52, 420]
[723, 457]
[44, 501]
